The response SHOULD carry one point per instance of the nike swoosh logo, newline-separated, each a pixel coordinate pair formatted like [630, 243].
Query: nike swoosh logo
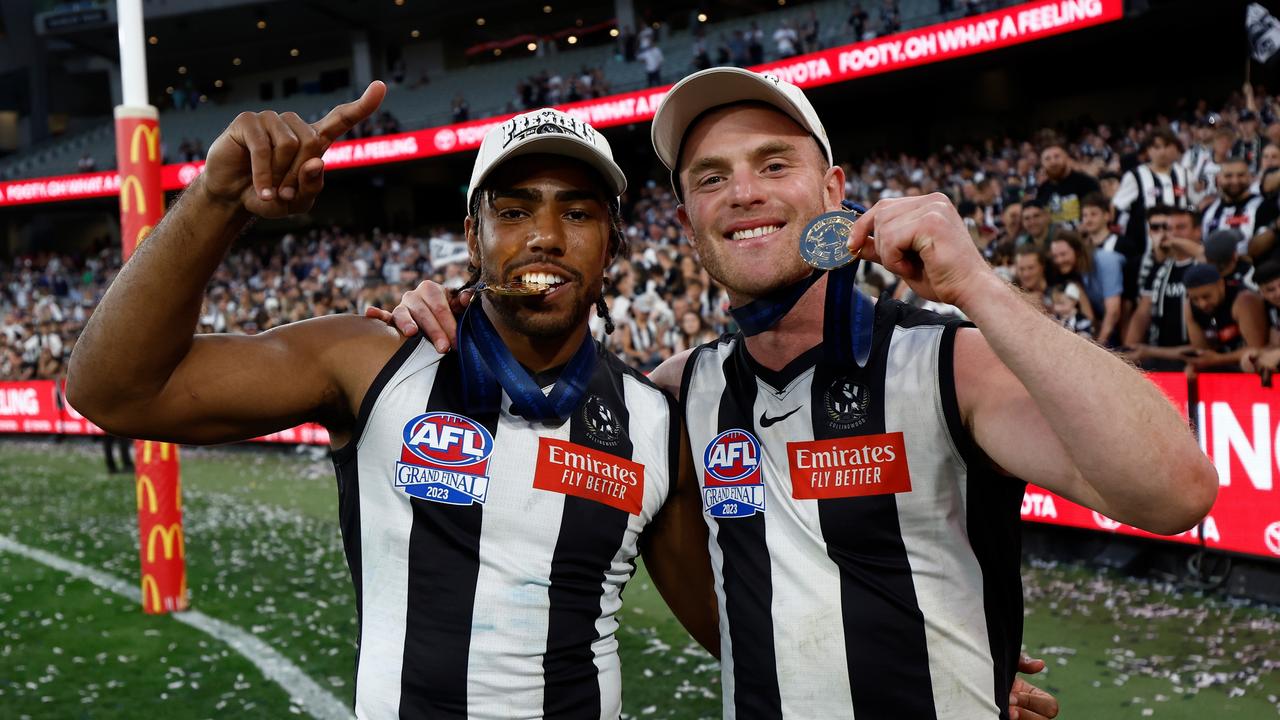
[766, 421]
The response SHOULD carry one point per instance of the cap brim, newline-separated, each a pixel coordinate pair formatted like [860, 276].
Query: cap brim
[709, 89]
[564, 146]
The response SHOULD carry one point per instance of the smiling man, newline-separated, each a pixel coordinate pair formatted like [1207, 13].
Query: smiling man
[492, 501]
[859, 495]
[876, 569]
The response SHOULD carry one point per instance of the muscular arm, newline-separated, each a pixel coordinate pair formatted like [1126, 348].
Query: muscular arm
[1045, 404]
[139, 370]
[1058, 411]
[675, 552]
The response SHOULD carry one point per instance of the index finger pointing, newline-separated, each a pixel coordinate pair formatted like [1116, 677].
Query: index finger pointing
[347, 115]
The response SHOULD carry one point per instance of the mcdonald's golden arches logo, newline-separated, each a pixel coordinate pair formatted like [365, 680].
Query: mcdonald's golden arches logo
[169, 537]
[166, 449]
[147, 489]
[143, 232]
[149, 584]
[152, 135]
[139, 197]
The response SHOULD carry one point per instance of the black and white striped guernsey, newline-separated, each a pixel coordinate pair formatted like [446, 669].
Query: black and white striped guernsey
[489, 552]
[866, 555]
[1248, 215]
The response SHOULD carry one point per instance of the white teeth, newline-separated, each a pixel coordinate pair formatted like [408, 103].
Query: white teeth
[754, 232]
[541, 278]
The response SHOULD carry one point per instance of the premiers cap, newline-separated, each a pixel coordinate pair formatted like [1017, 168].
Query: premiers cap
[546, 131]
[708, 89]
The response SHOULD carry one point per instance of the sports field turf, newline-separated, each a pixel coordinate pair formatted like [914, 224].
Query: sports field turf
[263, 553]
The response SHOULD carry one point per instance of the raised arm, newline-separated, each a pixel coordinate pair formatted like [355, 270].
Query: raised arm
[139, 370]
[1046, 405]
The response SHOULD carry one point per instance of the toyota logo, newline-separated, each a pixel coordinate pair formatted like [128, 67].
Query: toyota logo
[188, 173]
[1271, 536]
[445, 140]
[1107, 523]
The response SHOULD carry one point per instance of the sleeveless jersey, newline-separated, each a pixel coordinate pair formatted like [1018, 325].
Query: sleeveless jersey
[489, 552]
[866, 555]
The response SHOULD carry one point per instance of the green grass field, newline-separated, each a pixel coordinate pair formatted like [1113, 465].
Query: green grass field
[264, 554]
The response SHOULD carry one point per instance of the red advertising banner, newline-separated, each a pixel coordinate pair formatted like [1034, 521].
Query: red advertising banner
[40, 406]
[29, 407]
[1239, 428]
[1015, 25]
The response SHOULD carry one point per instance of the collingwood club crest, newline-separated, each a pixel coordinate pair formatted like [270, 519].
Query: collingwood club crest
[845, 404]
[601, 424]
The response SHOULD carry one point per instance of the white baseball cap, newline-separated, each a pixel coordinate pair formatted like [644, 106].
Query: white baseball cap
[545, 131]
[708, 89]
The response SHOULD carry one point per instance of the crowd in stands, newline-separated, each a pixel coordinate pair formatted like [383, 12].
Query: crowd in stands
[547, 88]
[742, 48]
[1157, 240]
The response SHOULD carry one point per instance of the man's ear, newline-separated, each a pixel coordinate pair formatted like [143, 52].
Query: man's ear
[833, 187]
[473, 241]
[686, 225]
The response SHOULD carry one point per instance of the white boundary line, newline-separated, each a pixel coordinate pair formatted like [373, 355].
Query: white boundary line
[301, 688]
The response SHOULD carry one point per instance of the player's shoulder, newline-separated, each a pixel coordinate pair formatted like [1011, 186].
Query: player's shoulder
[354, 348]
[673, 373]
[343, 339]
[892, 313]
[667, 375]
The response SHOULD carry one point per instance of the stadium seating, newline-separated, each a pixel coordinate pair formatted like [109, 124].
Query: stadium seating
[488, 87]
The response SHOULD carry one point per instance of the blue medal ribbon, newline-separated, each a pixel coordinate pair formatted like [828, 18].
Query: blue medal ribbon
[489, 367]
[849, 315]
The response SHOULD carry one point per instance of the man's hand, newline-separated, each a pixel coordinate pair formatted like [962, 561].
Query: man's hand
[430, 307]
[271, 164]
[1207, 359]
[1026, 701]
[1135, 354]
[1259, 359]
[924, 241]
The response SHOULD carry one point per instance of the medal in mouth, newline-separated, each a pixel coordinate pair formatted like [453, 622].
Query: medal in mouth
[515, 289]
[527, 285]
